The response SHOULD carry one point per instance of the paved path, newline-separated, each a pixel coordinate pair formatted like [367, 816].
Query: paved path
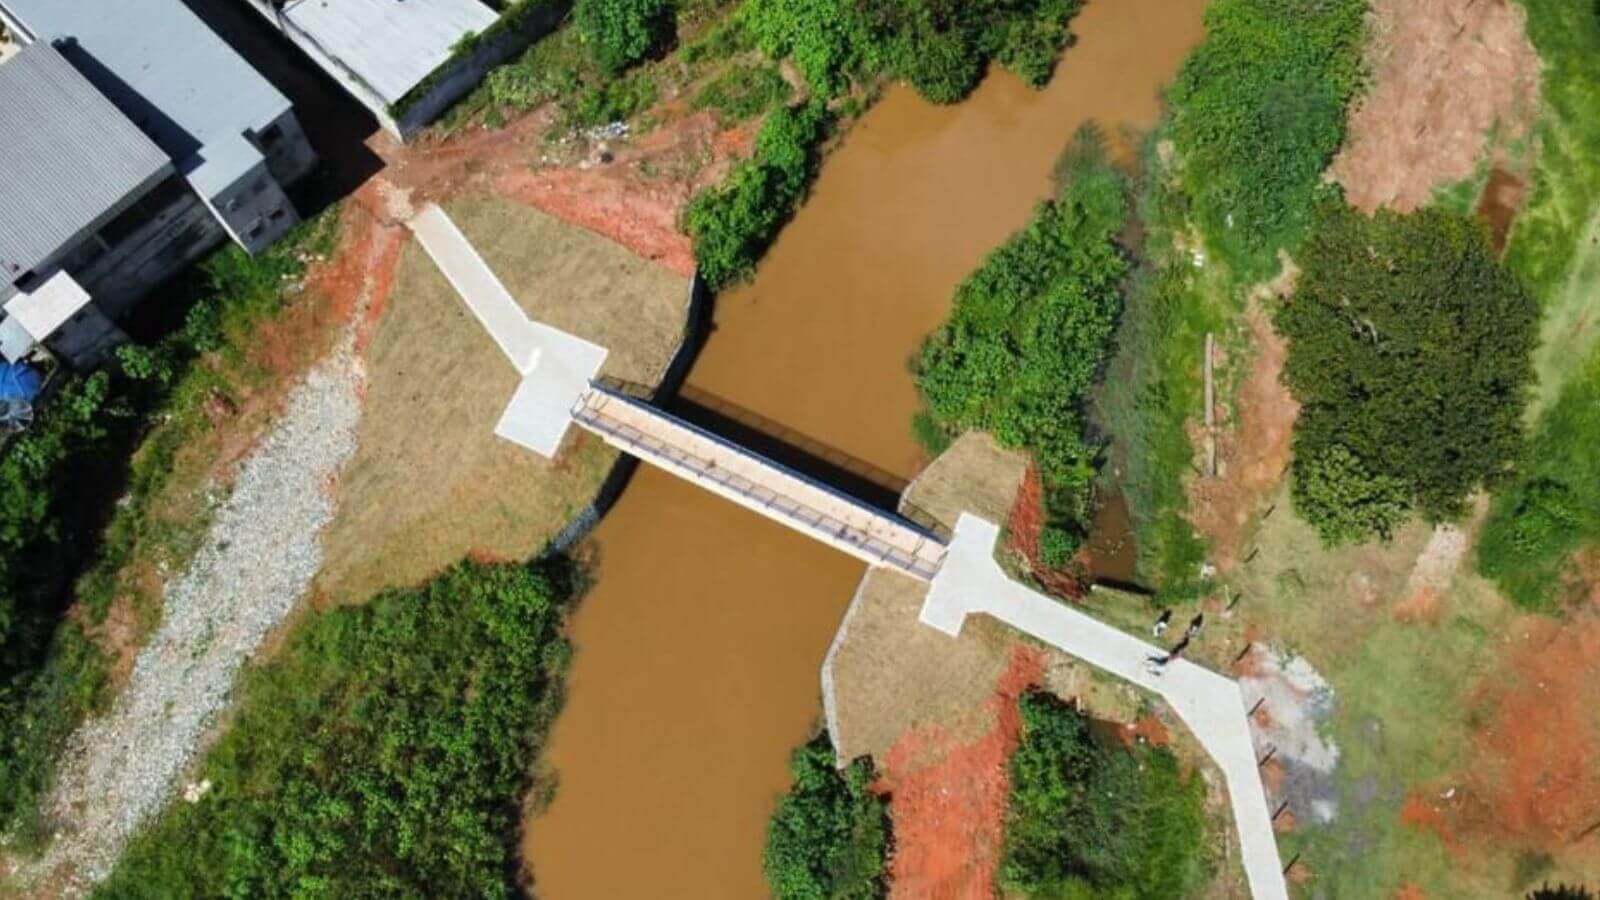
[1212, 706]
[759, 484]
[556, 367]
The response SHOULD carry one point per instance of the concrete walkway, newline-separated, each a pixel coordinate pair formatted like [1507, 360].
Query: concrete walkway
[556, 367]
[1213, 707]
[759, 484]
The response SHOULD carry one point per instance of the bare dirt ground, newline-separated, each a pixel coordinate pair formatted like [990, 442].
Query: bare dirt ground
[632, 190]
[430, 482]
[1253, 442]
[1445, 74]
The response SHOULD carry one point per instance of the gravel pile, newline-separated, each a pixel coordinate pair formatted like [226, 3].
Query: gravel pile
[257, 561]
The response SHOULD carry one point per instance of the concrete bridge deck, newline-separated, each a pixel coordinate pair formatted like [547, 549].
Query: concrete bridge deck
[756, 483]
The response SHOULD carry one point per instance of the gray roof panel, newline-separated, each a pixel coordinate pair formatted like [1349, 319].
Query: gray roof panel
[67, 157]
[390, 46]
[170, 73]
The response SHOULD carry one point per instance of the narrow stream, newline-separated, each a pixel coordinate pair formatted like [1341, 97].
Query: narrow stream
[699, 648]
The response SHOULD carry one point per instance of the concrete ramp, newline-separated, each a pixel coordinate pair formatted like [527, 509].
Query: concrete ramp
[1212, 706]
[556, 367]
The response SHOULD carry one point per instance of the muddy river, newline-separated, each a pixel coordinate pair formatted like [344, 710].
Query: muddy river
[700, 645]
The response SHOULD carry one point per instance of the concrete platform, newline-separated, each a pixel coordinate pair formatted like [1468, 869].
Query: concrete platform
[556, 367]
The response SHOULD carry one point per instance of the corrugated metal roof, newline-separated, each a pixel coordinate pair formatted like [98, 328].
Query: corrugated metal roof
[67, 156]
[389, 44]
[170, 73]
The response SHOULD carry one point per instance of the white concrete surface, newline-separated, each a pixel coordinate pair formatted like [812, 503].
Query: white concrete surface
[1212, 706]
[759, 484]
[556, 367]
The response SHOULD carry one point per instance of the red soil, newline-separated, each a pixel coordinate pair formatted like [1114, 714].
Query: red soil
[1537, 769]
[1410, 892]
[1253, 454]
[1022, 530]
[948, 801]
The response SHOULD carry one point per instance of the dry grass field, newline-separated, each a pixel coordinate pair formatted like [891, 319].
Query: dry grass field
[430, 482]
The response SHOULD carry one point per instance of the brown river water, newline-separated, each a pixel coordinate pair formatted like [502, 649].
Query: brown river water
[699, 648]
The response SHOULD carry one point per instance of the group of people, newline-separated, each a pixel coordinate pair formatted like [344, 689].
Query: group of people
[1159, 661]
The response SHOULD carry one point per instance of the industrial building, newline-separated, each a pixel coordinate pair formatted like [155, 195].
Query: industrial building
[132, 141]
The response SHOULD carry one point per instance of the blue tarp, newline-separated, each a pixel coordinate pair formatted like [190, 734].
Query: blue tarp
[19, 381]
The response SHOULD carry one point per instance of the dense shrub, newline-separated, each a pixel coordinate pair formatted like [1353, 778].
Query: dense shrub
[1553, 507]
[1258, 110]
[382, 753]
[829, 836]
[1085, 819]
[732, 224]
[942, 48]
[1028, 335]
[1409, 351]
[620, 33]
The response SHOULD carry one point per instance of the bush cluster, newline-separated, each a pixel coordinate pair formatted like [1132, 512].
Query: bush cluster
[733, 223]
[1258, 110]
[1089, 820]
[383, 752]
[1553, 506]
[1409, 351]
[621, 33]
[941, 48]
[829, 837]
[1029, 333]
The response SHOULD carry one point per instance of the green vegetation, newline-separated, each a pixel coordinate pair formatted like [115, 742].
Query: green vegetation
[63, 535]
[1553, 506]
[1408, 349]
[1028, 335]
[1090, 820]
[383, 752]
[732, 224]
[829, 836]
[1566, 185]
[1258, 110]
[621, 33]
[941, 49]
[743, 92]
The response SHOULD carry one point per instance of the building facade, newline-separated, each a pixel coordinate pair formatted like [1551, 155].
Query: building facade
[132, 141]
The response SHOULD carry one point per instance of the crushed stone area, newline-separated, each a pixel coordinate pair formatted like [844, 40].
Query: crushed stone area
[1288, 724]
[1447, 74]
[256, 563]
[257, 560]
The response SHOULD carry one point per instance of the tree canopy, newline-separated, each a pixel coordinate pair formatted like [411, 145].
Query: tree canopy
[1409, 350]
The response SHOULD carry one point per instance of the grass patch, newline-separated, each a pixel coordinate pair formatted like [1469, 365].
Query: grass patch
[743, 92]
[1553, 507]
[383, 751]
[436, 384]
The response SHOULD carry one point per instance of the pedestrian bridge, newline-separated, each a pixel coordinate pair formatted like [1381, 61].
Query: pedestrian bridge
[757, 483]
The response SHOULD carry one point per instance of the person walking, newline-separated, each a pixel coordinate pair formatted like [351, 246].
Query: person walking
[1195, 624]
[1160, 627]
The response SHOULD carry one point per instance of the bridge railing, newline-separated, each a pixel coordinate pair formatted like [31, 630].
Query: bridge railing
[807, 517]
